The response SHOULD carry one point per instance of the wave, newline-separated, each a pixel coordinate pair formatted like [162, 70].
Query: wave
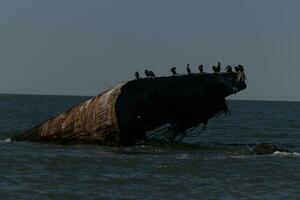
[282, 153]
[8, 134]
[7, 140]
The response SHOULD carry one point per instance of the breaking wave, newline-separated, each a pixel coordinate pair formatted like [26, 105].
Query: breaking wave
[281, 153]
[7, 140]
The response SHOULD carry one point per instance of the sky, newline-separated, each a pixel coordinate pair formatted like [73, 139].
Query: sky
[82, 47]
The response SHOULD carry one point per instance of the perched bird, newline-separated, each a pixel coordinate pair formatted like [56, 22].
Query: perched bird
[173, 70]
[228, 68]
[137, 75]
[214, 69]
[188, 69]
[241, 68]
[219, 67]
[147, 73]
[200, 67]
[237, 69]
[151, 74]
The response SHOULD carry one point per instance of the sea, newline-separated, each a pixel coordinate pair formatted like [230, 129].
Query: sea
[217, 164]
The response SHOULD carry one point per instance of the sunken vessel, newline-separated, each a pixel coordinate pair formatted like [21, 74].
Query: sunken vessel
[158, 108]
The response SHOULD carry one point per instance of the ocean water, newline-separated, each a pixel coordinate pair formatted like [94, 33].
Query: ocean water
[214, 165]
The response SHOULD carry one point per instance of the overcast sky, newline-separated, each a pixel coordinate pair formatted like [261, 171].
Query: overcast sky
[82, 47]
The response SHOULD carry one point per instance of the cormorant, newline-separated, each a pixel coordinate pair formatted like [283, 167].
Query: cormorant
[237, 69]
[228, 68]
[137, 75]
[173, 70]
[151, 74]
[214, 69]
[219, 67]
[188, 69]
[147, 73]
[241, 68]
[200, 68]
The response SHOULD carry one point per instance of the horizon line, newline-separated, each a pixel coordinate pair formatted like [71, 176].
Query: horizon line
[79, 95]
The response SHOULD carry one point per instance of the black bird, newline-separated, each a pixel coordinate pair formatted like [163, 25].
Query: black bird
[241, 68]
[137, 75]
[173, 70]
[228, 68]
[188, 69]
[200, 67]
[151, 74]
[215, 69]
[237, 69]
[219, 67]
[147, 73]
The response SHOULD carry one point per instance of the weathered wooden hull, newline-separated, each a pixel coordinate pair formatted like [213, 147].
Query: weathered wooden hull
[122, 115]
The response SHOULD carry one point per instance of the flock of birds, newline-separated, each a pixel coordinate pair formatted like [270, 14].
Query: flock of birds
[216, 69]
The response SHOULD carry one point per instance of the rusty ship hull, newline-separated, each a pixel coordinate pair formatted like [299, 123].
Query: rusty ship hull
[124, 114]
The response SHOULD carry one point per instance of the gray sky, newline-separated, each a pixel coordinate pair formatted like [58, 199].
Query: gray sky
[79, 47]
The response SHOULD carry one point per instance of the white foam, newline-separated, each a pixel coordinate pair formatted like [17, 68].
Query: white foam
[7, 140]
[281, 153]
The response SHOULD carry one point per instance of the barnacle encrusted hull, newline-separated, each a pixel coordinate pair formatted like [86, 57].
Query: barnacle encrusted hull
[124, 114]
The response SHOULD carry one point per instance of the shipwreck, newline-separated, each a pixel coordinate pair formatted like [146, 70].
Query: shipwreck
[159, 108]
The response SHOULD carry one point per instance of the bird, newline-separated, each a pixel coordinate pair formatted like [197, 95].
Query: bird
[137, 75]
[173, 70]
[241, 68]
[200, 67]
[237, 69]
[188, 69]
[229, 68]
[214, 68]
[219, 67]
[151, 74]
[147, 73]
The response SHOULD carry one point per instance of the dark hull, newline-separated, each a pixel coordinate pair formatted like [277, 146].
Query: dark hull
[123, 115]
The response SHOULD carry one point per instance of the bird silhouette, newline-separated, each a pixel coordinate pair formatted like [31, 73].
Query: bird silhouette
[137, 75]
[188, 69]
[147, 73]
[173, 70]
[200, 67]
[151, 74]
[228, 68]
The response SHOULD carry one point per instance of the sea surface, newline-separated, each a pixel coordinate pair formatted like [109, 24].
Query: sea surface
[214, 165]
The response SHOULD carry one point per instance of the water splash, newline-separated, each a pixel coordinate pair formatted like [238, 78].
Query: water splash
[7, 140]
[281, 153]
